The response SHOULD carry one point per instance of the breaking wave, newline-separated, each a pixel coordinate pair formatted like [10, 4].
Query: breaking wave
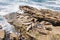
[7, 6]
[6, 26]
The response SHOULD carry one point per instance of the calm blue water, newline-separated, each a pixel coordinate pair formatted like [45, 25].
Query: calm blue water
[12, 5]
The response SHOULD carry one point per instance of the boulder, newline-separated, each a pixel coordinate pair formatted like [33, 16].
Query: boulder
[11, 16]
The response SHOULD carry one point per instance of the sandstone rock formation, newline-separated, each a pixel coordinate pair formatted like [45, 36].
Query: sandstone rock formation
[44, 14]
[34, 24]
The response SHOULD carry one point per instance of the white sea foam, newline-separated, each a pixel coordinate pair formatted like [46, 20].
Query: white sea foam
[13, 5]
[6, 26]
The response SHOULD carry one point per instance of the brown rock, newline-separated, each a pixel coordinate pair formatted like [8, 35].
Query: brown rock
[34, 24]
[44, 14]
[2, 34]
[43, 31]
[14, 36]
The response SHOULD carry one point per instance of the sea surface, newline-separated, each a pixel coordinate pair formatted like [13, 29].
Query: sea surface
[7, 6]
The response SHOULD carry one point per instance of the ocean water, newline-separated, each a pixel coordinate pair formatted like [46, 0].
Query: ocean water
[6, 26]
[7, 6]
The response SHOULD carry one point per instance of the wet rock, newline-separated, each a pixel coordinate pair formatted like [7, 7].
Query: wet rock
[7, 36]
[11, 16]
[0, 27]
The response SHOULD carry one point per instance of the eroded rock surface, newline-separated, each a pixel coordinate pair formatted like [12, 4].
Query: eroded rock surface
[44, 14]
[35, 24]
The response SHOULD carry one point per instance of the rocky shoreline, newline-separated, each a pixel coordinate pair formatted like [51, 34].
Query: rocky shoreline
[33, 24]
